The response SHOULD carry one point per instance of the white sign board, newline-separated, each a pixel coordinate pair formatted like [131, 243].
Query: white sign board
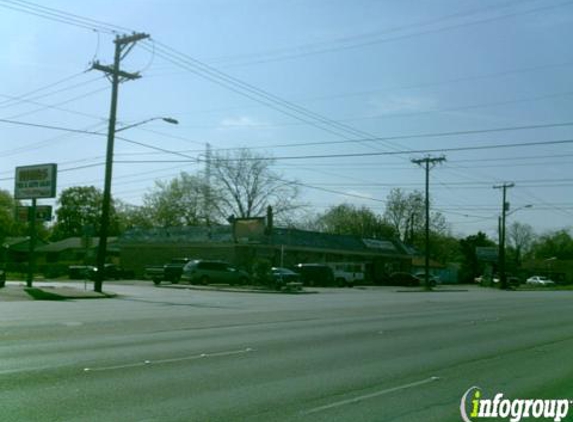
[37, 181]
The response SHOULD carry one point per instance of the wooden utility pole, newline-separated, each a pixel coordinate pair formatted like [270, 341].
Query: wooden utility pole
[428, 163]
[123, 45]
[501, 252]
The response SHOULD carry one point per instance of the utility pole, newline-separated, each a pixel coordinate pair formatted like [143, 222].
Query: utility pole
[501, 252]
[123, 45]
[207, 190]
[428, 163]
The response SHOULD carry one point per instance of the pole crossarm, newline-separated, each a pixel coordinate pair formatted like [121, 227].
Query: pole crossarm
[429, 160]
[109, 70]
[130, 39]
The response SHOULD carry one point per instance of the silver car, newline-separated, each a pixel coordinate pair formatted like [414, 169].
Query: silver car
[206, 272]
[538, 280]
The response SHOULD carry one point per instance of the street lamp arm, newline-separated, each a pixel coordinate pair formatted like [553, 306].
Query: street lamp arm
[518, 209]
[165, 119]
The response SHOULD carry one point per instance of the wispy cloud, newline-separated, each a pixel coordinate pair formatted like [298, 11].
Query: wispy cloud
[240, 121]
[400, 104]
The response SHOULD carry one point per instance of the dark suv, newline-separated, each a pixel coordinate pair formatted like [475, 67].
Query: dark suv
[205, 272]
[315, 274]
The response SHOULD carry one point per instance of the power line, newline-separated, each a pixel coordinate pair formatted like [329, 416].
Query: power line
[419, 151]
[404, 36]
[44, 88]
[403, 114]
[256, 94]
[61, 17]
[321, 156]
[375, 139]
[56, 106]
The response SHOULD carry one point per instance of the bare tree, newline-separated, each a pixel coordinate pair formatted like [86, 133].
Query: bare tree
[520, 237]
[243, 185]
[404, 212]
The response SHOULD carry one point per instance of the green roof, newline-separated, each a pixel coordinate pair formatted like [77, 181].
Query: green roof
[280, 236]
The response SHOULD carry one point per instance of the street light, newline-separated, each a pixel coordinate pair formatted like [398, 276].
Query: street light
[106, 201]
[518, 209]
[169, 120]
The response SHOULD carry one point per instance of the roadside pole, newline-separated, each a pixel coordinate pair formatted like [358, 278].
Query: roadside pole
[32, 244]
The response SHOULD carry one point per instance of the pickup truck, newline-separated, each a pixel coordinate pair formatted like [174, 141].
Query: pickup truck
[168, 272]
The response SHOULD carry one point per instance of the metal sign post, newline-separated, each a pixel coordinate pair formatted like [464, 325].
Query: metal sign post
[32, 244]
[33, 182]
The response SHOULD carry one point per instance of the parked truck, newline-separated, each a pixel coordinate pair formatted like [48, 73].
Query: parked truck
[167, 272]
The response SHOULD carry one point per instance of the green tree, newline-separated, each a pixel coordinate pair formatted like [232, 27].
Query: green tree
[132, 216]
[9, 226]
[79, 208]
[179, 202]
[471, 267]
[352, 220]
[558, 244]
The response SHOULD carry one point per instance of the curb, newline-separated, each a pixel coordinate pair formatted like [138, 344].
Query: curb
[231, 290]
[41, 294]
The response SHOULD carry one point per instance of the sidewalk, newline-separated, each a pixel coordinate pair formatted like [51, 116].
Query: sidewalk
[17, 291]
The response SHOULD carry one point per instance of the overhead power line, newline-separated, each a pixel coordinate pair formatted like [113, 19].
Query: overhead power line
[419, 151]
[304, 157]
[375, 38]
[60, 16]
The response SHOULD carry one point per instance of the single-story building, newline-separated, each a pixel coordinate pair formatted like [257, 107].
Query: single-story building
[15, 250]
[74, 250]
[280, 246]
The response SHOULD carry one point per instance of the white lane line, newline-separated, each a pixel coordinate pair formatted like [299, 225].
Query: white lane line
[371, 395]
[173, 360]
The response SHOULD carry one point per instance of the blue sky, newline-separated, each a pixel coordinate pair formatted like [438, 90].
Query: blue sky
[384, 69]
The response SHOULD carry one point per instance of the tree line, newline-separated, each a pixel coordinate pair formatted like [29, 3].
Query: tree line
[242, 184]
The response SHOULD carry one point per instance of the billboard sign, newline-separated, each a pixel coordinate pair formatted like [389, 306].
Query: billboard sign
[34, 182]
[249, 229]
[487, 254]
[43, 213]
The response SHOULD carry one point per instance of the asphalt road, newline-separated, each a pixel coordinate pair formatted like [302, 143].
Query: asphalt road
[160, 354]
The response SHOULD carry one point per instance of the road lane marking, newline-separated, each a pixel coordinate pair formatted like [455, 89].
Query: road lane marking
[172, 360]
[371, 395]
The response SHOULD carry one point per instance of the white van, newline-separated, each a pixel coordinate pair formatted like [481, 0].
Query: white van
[348, 273]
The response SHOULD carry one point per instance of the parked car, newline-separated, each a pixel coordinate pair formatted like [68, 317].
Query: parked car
[403, 279]
[112, 272]
[538, 280]
[205, 272]
[511, 280]
[434, 279]
[80, 272]
[315, 274]
[347, 273]
[282, 276]
[171, 271]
